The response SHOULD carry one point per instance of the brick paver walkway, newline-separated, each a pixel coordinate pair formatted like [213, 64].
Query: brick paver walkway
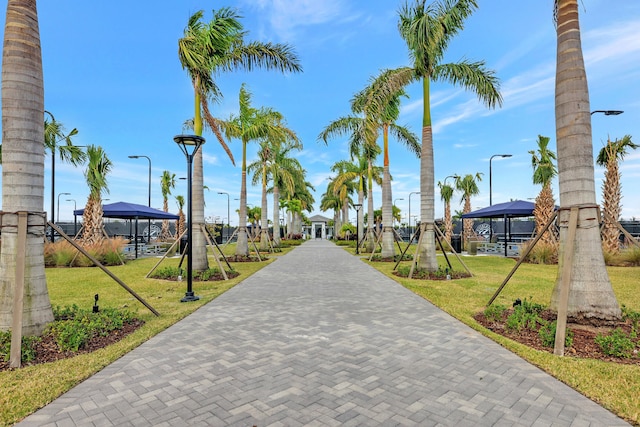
[319, 338]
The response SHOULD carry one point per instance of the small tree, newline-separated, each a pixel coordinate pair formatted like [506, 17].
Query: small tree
[609, 156]
[544, 170]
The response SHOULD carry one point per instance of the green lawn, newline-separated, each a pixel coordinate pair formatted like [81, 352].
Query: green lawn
[614, 386]
[25, 390]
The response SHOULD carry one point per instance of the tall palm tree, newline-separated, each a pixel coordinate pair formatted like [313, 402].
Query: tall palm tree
[23, 166]
[384, 119]
[167, 183]
[446, 194]
[427, 31]
[252, 124]
[98, 167]
[609, 157]
[299, 201]
[205, 50]
[468, 186]
[590, 292]
[330, 201]
[544, 170]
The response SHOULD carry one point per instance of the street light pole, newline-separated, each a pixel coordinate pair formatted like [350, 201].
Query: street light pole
[490, 196]
[187, 143]
[392, 216]
[147, 157]
[228, 216]
[58, 214]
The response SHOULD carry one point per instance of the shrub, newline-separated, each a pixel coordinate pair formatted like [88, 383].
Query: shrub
[63, 254]
[633, 317]
[525, 315]
[542, 253]
[79, 326]
[167, 273]
[27, 348]
[617, 343]
[495, 312]
[631, 255]
[548, 335]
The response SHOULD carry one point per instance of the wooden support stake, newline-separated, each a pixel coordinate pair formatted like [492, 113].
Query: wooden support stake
[15, 355]
[563, 301]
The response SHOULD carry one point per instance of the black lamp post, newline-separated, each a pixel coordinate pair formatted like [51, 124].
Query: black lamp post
[147, 157]
[228, 212]
[189, 144]
[490, 199]
[75, 217]
[357, 206]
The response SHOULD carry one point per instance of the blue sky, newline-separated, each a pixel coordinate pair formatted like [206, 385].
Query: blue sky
[112, 71]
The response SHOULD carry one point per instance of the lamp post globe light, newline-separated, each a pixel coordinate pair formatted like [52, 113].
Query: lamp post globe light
[357, 206]
[189, 144]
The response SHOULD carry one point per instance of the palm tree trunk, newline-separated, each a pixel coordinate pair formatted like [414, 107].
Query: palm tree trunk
[199, 250]
[427, 250]
[448, 224]
[388, 248]
[611, 203]
[23, 166]
[371, 233]
[590, 293]
[242, 246]
[276, 216]
[264, 218]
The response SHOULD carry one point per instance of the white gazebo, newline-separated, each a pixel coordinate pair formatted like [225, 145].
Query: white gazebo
[319, 228]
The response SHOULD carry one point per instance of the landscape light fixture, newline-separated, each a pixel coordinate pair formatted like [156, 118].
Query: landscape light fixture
[189, 144]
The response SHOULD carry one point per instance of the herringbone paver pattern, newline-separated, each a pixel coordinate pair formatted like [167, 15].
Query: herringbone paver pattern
[319, 338]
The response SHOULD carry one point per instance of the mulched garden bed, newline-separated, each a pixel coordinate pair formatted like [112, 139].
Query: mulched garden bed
[583, 346]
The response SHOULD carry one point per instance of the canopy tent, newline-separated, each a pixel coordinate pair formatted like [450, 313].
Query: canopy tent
[515, 208]
[507, 210]
[126, 210]
[131, 211]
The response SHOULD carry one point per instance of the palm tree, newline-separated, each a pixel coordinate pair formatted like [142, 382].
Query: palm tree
[590, 293]
[427, 31]
[167, 182]
[354, 127]
[609, 157]
[262, 170]
[384, 119]
[446, 194]
[283, 171]
[468, 185]
[252, 124]
[23, 167]
[205, 50]
[330, 201]
[180, 226]
[98, 167]
[544, 170]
